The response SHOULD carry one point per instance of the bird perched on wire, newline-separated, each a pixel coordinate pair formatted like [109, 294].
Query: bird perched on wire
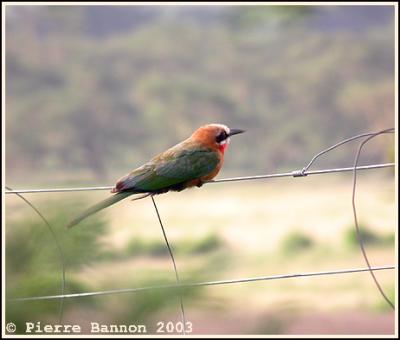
[190, 163]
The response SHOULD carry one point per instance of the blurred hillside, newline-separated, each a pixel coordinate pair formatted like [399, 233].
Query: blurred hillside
[93, 91]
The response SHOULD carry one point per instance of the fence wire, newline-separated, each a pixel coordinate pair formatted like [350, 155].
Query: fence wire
[171, 254]
[353, 202]
[296, 173]
[201, 284]
[59, 249]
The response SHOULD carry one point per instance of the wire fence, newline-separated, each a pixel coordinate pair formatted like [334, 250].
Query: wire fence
[179, 285]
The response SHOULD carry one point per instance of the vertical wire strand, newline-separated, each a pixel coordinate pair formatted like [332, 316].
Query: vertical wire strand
[358, 231]
[59, 248]
[174, 264]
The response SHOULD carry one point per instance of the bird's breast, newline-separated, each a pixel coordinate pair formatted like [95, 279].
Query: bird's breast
[199, 181]
[214, 172]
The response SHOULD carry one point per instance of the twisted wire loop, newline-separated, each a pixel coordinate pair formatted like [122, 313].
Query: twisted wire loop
[60, 252]
[173, 263]
[369, 134]
[303, 172]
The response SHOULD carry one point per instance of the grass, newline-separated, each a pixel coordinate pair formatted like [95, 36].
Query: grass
[368, 237]
[295, 243]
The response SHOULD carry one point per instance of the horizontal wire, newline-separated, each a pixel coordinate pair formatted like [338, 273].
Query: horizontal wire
[296, 173]
[202, 284]
[299, 173]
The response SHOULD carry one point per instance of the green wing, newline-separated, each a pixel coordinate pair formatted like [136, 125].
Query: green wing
[177, 165]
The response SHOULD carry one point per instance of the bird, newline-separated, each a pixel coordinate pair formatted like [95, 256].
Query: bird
[190, 163]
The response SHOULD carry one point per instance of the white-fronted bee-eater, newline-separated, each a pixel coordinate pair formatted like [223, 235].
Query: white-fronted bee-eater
[190, 163]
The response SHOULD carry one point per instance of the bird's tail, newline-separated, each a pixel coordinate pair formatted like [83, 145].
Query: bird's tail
[99, 206]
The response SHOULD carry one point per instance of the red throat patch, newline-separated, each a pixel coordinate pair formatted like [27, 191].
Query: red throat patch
[222, 147]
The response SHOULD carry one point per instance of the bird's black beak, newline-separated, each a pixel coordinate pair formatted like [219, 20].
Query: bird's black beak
[235, 132]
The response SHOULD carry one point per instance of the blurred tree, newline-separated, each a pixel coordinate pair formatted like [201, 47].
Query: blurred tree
[99, 104]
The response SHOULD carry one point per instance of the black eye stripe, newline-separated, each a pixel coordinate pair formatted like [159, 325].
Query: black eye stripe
[221, 136]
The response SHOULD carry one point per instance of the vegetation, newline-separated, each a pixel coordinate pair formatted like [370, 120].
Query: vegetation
[33, 262]
[157, 248]
[34, 268]
[295, 243]
[101, 96]
[368, 237]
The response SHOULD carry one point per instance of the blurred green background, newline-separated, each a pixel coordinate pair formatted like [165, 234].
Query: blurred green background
[94, 91]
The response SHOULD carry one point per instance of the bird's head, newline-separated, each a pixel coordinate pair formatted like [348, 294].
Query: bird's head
[215, 136]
